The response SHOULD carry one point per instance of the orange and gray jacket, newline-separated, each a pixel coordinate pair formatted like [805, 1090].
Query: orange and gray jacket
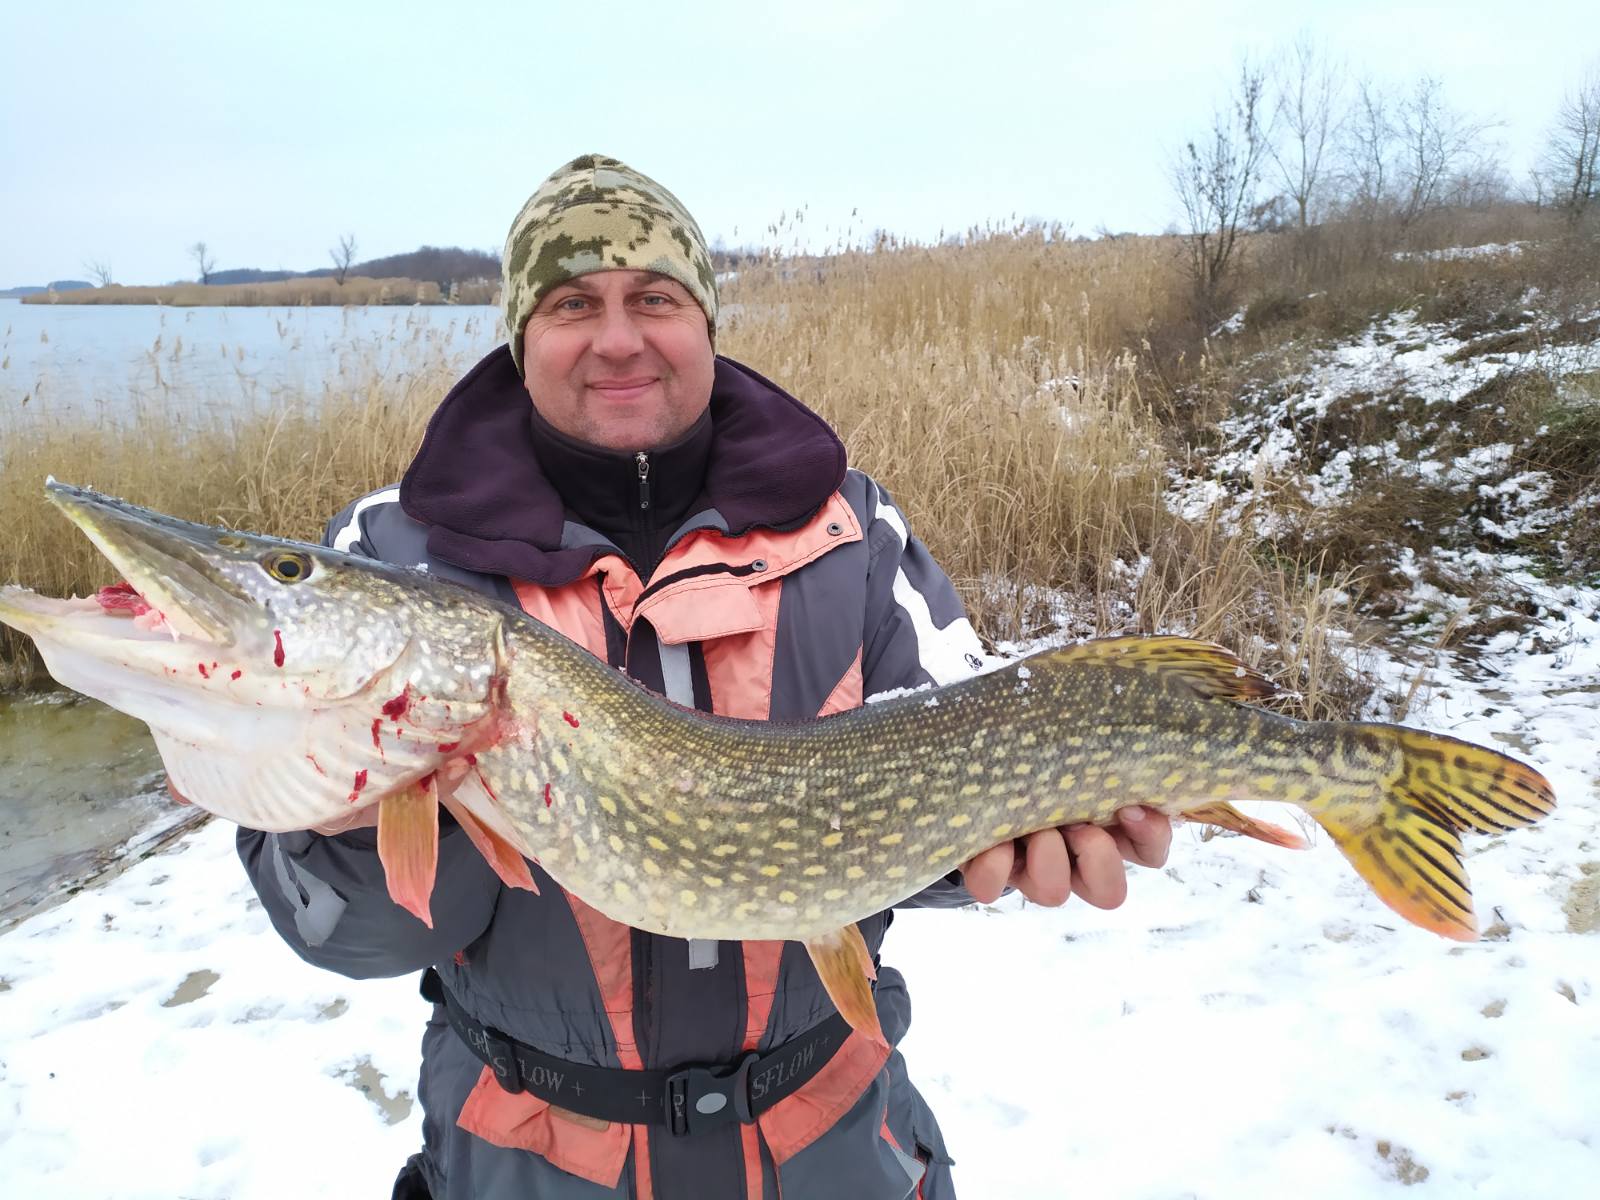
[791, 589]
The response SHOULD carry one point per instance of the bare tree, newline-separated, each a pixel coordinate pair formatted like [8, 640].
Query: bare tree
[99, 271]
[1308, 84]
[1571, 161]
[1368, 149]
[343, 257]
[203, 260]
[1436, 143]
[1217, 179]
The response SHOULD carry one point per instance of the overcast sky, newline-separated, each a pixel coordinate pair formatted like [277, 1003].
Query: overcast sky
[130, 130]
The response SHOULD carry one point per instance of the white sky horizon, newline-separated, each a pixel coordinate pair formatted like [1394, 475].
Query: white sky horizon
[131, 131]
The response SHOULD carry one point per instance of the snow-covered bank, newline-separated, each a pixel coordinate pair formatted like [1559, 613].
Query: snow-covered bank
[1252, 1022]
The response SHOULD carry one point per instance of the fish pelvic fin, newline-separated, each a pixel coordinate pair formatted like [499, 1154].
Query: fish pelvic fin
[1409, 848]
[408, 847]
[1210, 671]
[1226, 816]
[846, 969]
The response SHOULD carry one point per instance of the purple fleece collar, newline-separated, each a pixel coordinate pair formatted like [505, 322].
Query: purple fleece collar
[476, 482]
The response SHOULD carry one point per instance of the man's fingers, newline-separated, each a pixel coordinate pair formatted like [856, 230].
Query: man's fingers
[1045, 873]
[1144, 836]
[986, 875]
[1097, 874]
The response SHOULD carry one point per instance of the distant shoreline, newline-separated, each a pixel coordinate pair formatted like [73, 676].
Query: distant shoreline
[314, 292]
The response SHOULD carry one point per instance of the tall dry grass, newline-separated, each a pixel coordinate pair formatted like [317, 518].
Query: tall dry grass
[999, 389]
[317, 290]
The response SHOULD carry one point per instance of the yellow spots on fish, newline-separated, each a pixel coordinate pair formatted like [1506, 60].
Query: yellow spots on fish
[1057, 816]
[787, 897]
[971, 789]
[1001, 831]
[1201, 748]
[1074, 741]
[786, 845]
[926, 819]
[724, 850]
[789, 823]
[687, 844]
[616, 844]
[1022, 768]
[530, 781]
[1017, 802]
[832, 839]
[712, 881]
[543, 816]
[1295, 793]
[1028, 739]
[689, 898]
[673, 817]
[896, 872]
[877, 815]
[1067, 782]
[741, 826]
[687, 864]
[906, 803]
[581, 850]
[744, 908]
[651, 866]
[1111, 782]
[1172, 780]
[622, 890]
[942, 853]
[835, 894]
[631, 826]
[738, 877]
[703, 824]
[583, 805]
[891, 839]
[854, 872]
[558, 761]
[1003, 788]
[881, 857]
[654, 842]
[1265, 783]
[1103, 731]
[1222, 789]
[975, 768]
[863, 778]
[771, 872]
[816, 869]
[916, 779]
[957, 821]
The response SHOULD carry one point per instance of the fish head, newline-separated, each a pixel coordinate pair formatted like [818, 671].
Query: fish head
[284, 682]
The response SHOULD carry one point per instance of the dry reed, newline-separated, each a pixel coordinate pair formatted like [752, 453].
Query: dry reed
[316, 290]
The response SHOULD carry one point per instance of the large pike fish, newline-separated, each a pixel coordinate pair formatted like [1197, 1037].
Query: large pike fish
[286, 684]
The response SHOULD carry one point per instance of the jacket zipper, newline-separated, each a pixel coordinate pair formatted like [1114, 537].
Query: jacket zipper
[643, 460]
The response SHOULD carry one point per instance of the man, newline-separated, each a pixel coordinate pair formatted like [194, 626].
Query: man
[691, 523]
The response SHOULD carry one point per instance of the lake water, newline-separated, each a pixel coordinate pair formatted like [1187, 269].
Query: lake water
[58, 357]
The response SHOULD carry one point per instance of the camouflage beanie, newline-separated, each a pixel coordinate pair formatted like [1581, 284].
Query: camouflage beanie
[597, 214]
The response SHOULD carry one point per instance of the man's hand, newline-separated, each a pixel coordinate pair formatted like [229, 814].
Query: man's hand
[1049, 866]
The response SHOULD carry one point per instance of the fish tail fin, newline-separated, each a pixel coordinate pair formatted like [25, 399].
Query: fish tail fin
[845, 966]
[1407, 846]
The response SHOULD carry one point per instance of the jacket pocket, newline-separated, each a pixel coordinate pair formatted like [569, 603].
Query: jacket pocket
[854, 1159]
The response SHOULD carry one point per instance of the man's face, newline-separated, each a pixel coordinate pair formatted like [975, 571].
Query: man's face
[619, 359]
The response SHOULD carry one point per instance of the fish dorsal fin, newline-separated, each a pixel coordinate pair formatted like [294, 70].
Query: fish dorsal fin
[1204, 667]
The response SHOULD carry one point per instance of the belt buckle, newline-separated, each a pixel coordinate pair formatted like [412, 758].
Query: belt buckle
[701, 1098]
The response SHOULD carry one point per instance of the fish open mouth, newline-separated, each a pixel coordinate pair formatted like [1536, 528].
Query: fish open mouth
[174, 588]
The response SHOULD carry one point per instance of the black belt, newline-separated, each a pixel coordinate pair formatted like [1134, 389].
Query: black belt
[686, 1100]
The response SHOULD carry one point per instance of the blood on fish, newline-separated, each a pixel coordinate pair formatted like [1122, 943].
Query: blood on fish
[277, 653]
[361, 782]
[204, 673]
[312, 759]
[122, 598]
[446, 747]
[547, 795]
[569, 719]
[396, 708]
[377, 724]
[236, 675]
[460, 958]
[472, 760]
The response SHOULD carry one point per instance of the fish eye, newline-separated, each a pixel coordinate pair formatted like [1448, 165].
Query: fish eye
[287, 566]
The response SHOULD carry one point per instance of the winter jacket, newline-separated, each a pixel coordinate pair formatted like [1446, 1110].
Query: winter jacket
[791, 589]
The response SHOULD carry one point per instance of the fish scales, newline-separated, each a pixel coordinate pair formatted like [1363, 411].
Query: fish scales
[287, 685]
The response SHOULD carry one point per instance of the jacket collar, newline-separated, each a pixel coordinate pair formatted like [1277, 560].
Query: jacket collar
[477, 483]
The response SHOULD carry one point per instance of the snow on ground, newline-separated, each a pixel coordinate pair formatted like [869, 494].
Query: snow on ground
[1252, 1022]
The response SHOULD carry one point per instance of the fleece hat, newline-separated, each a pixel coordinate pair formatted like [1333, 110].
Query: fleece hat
[597, 214]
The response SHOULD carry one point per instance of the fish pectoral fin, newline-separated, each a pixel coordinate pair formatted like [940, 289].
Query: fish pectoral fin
[1204, 667]
[846, 969]
[408, 847]
[1226, 816]
[506, 860]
